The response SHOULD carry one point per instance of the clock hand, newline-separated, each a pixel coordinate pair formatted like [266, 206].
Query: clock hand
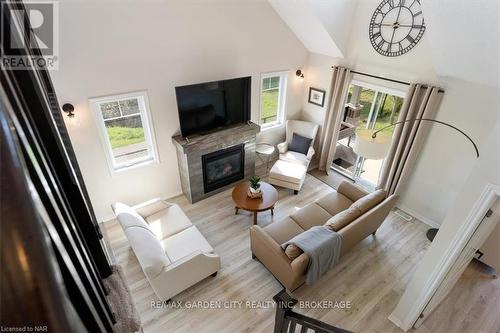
[410, 26]
[399, 13]
[396, 25]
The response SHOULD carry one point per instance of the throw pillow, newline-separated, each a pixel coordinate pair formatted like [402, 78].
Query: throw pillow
[369, 201]
[340, 220]
[299, 144]
[293, 251]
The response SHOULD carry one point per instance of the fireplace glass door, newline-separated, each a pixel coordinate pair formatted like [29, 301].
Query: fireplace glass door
[223, 167]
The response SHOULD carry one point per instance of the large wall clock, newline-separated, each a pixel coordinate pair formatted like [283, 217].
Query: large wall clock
[396, 26]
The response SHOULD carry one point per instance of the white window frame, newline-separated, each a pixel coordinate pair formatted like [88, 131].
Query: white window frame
[147, 125]
[280, 117]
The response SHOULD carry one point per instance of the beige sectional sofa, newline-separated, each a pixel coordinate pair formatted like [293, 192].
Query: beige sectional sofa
[351, 211]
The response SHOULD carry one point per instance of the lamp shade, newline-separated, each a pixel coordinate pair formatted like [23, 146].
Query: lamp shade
[372, 148]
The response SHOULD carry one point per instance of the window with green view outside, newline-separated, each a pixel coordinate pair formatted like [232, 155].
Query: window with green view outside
[272, 96]
[124, 122]
[380, 107]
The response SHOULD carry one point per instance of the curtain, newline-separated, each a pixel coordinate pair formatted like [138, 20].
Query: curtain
[420, 102]
[331, 127]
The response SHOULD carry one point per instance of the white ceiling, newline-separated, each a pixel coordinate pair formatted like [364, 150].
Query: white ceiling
[322, 26]
[463, 35]
[464, 38]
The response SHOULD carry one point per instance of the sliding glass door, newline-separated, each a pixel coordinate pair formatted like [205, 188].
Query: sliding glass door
[368, 107]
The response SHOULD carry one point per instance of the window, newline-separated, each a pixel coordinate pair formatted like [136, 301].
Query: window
[379, 107]
[272, 99]
[124, 123]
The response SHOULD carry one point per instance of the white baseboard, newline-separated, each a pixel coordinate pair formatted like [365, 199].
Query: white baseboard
[419, 216]
[106, 219]
[395, 321]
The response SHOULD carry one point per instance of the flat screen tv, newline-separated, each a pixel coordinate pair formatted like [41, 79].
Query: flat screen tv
[205, 107]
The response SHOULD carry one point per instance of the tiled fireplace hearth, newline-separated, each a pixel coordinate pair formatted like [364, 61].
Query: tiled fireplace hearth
[213, 162]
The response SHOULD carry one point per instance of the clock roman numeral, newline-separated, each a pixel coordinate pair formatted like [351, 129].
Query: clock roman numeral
[402, 3]
[410, 39]
[376, 35]
[379, 10]
[381, 44]
[417, 14]
[417, 26]
[391, 4]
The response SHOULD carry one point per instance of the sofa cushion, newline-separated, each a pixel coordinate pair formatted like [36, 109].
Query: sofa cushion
[148, 250]
[310, 215]
[168, 222]
[334, 202]
[288, 172]
[352, 191]
[343, 218]
[128, 217]
[369, 201]
[294, 157]
[293, 251]
[283, 230]
[185, 243]
[299, 144]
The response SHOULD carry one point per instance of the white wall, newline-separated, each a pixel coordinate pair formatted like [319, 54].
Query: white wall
[121, 46]
[469, 29]
[447, 157]
[485, 171]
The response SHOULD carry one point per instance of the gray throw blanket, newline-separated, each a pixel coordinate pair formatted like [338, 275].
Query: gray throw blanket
[322, 245]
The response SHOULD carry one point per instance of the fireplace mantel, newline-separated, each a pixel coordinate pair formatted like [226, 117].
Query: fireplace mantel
[190, 152]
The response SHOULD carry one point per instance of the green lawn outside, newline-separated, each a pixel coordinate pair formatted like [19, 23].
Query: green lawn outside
[269, 105]
[384, 117]
[124, 136]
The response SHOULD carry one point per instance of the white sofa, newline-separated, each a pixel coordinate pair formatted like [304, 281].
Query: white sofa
[172, 252]
[291, 168]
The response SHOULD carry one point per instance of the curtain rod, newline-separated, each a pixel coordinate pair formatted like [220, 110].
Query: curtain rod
[387, 79]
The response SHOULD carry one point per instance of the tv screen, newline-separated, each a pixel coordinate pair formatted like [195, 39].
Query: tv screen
[207, 106]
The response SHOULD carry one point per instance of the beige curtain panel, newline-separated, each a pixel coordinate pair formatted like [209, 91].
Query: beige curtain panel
[420, 102]
[331, 127]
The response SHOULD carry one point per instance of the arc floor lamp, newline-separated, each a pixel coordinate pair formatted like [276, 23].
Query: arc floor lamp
[375, 145]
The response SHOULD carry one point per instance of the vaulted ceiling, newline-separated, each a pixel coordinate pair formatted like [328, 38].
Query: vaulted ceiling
[464, 35]
[322, 26]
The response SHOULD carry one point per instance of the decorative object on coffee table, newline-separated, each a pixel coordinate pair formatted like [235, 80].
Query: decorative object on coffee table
[254, 184]
[269, 197]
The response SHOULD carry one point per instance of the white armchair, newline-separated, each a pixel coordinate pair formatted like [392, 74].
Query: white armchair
[172, 252]
[291, 168]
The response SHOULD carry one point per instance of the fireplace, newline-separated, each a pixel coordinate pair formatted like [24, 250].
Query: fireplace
[223, 167]
[194, 157]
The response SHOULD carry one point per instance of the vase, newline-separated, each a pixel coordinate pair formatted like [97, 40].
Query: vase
[254, 190]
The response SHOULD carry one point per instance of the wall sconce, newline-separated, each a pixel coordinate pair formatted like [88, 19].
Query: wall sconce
[299, 73]
[69, 108]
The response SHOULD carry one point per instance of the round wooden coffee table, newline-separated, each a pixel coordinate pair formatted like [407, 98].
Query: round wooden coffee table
[255, 205]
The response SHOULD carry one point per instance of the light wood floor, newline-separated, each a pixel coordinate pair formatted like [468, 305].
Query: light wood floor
[372, 276]
[473, 305]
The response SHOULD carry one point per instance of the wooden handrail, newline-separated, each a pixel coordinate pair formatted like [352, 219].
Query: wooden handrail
[286, 320]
